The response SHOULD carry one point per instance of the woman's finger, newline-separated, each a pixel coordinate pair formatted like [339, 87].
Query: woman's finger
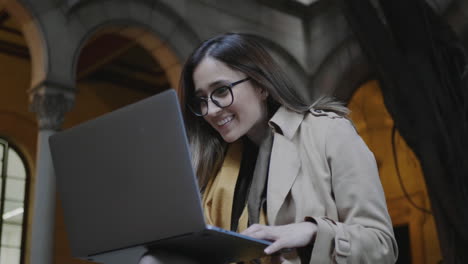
[251, 229]
[256, 230]
[275, 247]
[265, 233]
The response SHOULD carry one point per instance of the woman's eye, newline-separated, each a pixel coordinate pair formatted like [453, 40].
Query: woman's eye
[221, 91]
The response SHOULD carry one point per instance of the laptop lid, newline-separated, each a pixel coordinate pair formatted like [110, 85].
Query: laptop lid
[125, 178]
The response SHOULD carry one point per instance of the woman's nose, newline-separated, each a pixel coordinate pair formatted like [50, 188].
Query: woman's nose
[213, 109]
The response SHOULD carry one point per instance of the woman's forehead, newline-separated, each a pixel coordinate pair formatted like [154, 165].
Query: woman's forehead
[211, 73]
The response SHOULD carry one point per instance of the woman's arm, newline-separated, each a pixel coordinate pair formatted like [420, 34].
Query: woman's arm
[363, 232]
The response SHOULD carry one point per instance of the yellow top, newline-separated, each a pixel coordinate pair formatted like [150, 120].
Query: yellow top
[219, 193]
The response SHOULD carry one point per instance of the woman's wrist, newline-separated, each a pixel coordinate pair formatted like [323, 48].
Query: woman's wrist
[313, 225]
[305, 253]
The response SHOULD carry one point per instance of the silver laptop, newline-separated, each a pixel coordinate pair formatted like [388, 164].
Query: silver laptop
[126, 186]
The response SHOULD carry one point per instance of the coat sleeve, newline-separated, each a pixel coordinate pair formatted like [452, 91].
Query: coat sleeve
[363, 232]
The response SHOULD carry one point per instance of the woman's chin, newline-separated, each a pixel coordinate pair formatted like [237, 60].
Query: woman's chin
[229, 138]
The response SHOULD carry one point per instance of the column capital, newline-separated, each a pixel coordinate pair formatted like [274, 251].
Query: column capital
[50, 101]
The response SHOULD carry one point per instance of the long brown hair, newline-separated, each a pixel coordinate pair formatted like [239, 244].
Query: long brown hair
[244, 53]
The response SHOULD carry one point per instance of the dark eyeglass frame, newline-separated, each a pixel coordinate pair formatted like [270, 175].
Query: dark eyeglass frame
[206, 99]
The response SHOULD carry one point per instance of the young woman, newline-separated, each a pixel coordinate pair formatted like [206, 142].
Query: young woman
[273, 167]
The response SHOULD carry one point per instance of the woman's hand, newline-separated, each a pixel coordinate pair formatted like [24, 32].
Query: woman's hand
[285, 236]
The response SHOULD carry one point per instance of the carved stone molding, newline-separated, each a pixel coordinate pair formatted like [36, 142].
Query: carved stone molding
[69, 5]
[50, 102]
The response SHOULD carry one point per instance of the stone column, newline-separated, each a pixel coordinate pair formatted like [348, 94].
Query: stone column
[50, 102]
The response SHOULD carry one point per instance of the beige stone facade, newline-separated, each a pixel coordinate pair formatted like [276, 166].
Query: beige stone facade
[65, 42]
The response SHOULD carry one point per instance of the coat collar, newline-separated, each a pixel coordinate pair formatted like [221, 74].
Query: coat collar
[286, 122]
[284, 168]
[285, 161]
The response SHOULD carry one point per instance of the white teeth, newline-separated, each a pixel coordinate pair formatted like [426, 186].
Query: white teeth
[225, 120]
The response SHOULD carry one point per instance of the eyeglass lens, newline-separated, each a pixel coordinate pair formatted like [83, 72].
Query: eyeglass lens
[221, 97]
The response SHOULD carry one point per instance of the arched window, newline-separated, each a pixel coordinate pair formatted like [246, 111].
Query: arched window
[13, 179]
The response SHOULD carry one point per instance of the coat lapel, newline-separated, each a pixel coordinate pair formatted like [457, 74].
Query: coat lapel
[284, 168]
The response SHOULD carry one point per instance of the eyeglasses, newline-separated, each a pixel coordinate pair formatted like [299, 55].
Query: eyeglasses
[221, 97]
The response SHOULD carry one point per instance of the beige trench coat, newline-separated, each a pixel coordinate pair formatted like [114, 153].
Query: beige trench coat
[321, 168]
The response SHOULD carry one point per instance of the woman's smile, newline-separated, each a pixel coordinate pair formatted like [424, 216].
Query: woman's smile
[223, 122]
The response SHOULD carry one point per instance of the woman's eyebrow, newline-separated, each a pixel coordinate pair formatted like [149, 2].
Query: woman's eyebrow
[198, 92]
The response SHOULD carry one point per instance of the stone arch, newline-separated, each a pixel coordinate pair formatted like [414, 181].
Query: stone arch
[342, 72]
[156, 27]
[137, 34]
[33, 34]
[347, 68]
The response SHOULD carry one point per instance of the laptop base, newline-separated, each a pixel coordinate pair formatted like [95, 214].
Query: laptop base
[214, 246]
